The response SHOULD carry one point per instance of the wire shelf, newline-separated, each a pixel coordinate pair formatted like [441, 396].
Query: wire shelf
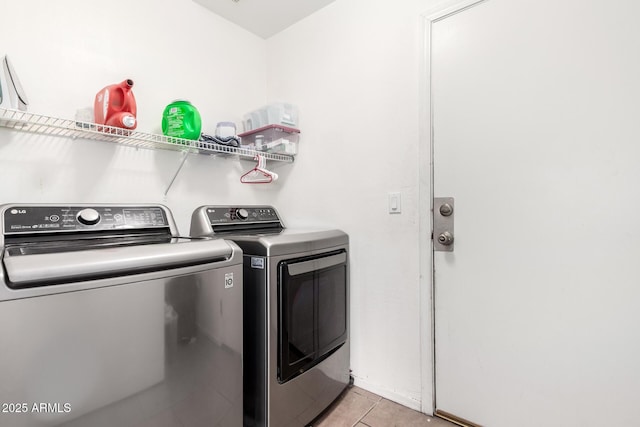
[47, 125]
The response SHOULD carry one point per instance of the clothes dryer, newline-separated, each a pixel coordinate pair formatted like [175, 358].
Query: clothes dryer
[296, 312]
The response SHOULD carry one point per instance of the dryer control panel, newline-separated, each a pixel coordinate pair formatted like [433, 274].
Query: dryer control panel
[230, 215]
[48, 219]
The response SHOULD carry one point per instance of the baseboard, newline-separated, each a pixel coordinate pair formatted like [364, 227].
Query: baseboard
[403, 400]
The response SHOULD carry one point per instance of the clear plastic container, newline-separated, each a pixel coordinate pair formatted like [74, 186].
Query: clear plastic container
[278, 113]
[272, 139]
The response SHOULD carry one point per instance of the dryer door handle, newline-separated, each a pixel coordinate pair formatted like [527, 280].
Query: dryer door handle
[303, 267]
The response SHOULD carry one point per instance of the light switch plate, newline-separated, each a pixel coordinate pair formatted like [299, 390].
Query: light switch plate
[395, 203]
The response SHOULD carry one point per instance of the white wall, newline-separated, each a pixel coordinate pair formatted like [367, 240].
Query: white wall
[354, 69]
[65, 51]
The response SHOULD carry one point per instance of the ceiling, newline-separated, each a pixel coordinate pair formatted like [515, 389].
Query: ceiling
[264, 17]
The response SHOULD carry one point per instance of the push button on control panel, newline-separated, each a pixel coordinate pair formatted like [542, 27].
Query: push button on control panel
[88, 216]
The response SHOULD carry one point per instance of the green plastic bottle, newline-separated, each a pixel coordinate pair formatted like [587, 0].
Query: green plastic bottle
[181, 120]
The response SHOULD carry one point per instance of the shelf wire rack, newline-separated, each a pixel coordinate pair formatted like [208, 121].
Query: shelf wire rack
[47, 125]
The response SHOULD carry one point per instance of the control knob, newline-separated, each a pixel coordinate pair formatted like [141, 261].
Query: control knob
[242, 214]
[89, 216]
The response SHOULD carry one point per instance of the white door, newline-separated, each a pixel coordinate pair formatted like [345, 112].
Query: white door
[536, 134]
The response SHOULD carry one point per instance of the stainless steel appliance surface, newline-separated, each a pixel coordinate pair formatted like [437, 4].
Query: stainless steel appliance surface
[109, 318]
[296, 312]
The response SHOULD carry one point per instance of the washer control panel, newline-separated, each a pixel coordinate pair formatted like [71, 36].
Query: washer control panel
[241, 214]
[30, 219]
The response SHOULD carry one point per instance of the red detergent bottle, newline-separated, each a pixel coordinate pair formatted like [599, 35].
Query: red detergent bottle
[115, 105]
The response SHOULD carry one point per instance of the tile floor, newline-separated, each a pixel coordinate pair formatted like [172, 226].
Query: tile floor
[357, 407]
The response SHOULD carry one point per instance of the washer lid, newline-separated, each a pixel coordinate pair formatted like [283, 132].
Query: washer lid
[37, 268]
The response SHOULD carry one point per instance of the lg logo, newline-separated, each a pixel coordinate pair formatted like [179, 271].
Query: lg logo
[228, 280]
[18, 211]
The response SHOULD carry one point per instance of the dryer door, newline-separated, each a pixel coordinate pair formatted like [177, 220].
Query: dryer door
[312, 311]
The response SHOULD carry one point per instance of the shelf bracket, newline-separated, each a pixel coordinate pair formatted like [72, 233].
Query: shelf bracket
[175, 175]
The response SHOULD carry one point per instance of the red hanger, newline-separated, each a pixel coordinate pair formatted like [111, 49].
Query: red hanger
[259, 174]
